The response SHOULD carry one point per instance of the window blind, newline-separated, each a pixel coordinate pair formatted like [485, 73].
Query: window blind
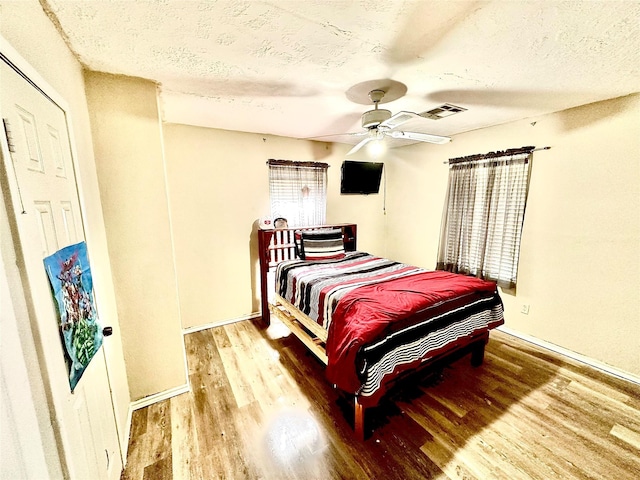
[484, 214]
[298, 191]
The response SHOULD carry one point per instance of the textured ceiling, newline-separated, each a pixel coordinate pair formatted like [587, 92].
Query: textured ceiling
[285, 67]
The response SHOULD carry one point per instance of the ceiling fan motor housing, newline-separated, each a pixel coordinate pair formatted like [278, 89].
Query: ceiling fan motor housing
[373, 118]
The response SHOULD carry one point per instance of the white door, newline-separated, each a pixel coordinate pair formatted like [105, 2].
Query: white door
[43, 198]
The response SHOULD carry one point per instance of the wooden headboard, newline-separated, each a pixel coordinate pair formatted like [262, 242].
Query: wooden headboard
[278, 244]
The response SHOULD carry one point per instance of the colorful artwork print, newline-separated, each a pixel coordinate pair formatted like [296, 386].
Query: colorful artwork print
[70, 276]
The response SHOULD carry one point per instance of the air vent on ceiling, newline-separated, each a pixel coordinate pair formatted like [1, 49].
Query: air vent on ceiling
[442, 111]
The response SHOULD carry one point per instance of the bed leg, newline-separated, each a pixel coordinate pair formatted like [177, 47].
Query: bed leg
[477, 354]
[358, 419]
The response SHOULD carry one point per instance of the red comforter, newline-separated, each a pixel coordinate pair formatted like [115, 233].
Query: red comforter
[370, 312]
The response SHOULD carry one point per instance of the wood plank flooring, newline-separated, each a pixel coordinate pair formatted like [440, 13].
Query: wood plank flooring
[260, 407]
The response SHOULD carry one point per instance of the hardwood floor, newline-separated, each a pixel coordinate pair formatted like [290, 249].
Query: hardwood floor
[260, 407]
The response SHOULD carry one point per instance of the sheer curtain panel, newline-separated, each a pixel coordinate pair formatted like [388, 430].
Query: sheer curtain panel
[298, 192]
[483, 215]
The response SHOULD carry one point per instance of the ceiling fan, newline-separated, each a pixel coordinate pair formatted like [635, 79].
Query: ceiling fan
[380, 123]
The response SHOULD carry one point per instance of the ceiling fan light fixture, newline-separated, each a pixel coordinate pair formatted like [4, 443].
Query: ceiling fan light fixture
[377, 148]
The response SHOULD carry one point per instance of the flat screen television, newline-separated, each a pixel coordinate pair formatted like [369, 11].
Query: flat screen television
[360, 177]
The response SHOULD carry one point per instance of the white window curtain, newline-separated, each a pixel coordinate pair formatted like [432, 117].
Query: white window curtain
[298, 192]
[483, 215]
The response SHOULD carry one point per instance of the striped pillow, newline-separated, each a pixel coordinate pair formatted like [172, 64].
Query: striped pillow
[322, 244]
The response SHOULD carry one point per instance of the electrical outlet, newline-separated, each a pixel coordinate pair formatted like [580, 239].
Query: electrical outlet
[525, 309]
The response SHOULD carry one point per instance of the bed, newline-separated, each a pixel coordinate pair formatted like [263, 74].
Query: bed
[370, 320]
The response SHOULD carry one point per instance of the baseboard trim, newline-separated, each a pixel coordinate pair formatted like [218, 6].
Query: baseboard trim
[158, 397]
[603, 367]
[206, 326]
[126, 439]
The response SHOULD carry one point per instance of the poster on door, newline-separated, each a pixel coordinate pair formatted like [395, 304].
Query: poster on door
[70, 277]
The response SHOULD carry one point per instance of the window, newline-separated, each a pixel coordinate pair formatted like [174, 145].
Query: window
[298, 192]
[483, 215]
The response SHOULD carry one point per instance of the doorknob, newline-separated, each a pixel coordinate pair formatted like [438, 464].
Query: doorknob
[106, 331]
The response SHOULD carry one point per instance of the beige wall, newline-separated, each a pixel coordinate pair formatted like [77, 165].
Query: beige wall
[218, 188]
[127, 139]
[47, 53]
[579, 265]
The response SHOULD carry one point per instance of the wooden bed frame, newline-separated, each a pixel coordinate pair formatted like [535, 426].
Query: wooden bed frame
[278, 245]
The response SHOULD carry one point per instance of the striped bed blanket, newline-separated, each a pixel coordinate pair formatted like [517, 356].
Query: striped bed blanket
[384, 317]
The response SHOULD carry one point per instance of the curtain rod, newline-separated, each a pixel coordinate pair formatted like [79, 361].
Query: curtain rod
[510, 151]
[295, 163]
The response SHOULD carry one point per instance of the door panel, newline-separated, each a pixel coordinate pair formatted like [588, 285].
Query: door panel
[43, 192]
[56, 152]
[44, 219]
[30, 139]
[71, 234]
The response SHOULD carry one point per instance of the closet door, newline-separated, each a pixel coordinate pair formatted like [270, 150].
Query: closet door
[43, 207]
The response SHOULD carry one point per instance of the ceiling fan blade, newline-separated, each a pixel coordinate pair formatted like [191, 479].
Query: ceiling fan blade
[361, 144]
[350, 134]
[419, 137]
[400, 118]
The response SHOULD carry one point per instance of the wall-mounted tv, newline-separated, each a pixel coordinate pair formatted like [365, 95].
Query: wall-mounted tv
[360, 177]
